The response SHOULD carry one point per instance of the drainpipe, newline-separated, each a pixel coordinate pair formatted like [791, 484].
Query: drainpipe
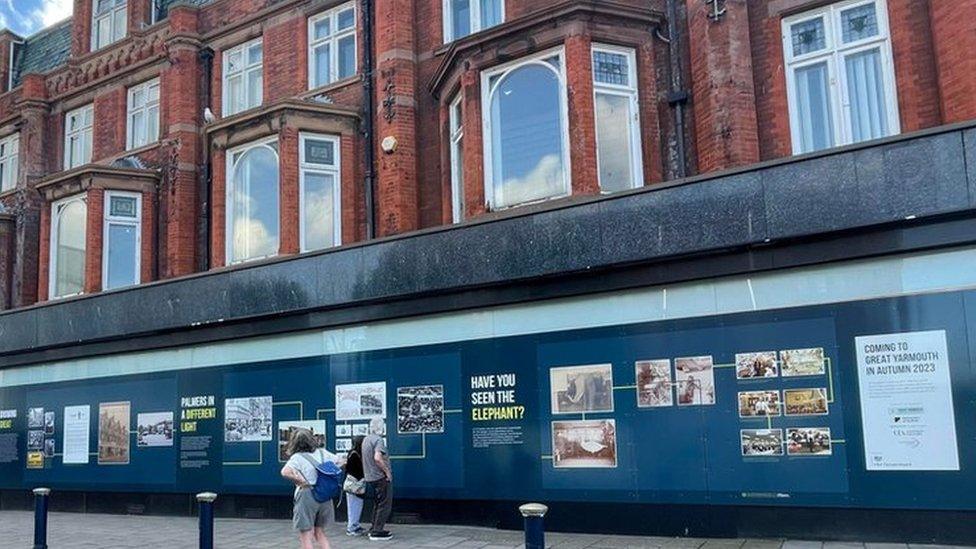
[369, 122]
[677, 96]
[205, 229]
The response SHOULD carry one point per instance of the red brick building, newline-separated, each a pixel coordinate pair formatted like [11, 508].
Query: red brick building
[149, 139]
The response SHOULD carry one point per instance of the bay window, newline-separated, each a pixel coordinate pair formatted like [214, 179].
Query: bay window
[109, 22]
[840, 75]
[69, 220]
[142, 126]
[252, 225]
[526, 131]
[457, 160]
[9, 159]
[464, 17]
[121, 249]
[332, 45]
[319, 193]
[617, 121]
[243, 77]
[78, 137]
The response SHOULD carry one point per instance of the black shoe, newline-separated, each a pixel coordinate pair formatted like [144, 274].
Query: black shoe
[380, 536]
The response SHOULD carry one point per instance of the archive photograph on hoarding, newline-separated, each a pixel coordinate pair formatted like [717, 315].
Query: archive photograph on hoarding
[759, 403]
[113, 433]
[584, 444]
[248, 419]
[359, 401]
[35, 418]
[286, 428]
[808, 441]
[761, 442]
[756, 365]
[695, 378]
[154, 429]
[581, 389]
[48, 423]
[803, 362]
[654, 383]
[420, 409]
[806, 402]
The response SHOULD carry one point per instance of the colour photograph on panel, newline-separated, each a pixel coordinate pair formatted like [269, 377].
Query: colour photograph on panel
[653, 383]
[154, 429]
[358, 401]
[113, 433]
[695, 378]
[584, 444]
[247, 419]
[761, 442]
[756, 365]
[805, 402]
[803, 362]
[581, 389]
[286, 428]
[420, 409]
[759, 404]
[808, 441]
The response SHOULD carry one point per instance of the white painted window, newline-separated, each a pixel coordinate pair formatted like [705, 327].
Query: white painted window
[243, 77]
[319, 193]
[78, 137]
[122, 239]
[332, 45]
[69, 223]
[109, 22]
[464, 17]
[457, 160]
[527, 131]
[9, 159]
[143, 114]
[252, 225]
[840, 76]
[617, 118]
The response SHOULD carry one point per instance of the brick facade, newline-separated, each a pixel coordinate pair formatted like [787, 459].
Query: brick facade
[733, 69]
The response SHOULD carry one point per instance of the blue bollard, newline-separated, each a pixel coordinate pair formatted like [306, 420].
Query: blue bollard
[535, 531]
[40, 517]
[206, 500]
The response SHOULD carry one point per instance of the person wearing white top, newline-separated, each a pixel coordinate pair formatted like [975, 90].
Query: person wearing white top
[309, 516]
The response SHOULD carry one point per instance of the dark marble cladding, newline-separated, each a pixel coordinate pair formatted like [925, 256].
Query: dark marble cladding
[919, 176]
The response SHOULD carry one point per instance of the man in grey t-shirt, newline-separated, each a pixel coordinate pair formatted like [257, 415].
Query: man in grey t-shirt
[378, 475]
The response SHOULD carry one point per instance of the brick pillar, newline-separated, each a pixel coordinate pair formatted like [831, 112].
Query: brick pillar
[954, 34]
[582, 118]
[724, 99]
[181, 127]
[8, 230]
[139, 13]
[288, 217]
[44, 254]
[81, 27]
[93, 241]
[108, 135]
[474, 145]
[916, 76]
[218, 212]
[396, 113]
[36, 162]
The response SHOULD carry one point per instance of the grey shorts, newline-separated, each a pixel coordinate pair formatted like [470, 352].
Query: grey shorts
[309, 513]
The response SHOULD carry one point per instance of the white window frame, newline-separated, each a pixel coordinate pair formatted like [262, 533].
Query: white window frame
[83, 133]
[228, 198]
[131, 111]
[110, 15]
[333, 40]
[834, 54]
[456, 137]
[474, 8]
[10, 162]
[136, 222]
[634, 126]
[52, 273]
[336, 171]
[486, 94]
[244, 73]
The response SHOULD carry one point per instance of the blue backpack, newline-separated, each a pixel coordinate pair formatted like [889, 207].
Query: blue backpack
[328, 484]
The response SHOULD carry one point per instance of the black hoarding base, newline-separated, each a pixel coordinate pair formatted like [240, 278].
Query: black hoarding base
[828, 524]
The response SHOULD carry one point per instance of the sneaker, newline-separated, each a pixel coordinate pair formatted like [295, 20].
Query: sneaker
[355, 533]
[380, 536]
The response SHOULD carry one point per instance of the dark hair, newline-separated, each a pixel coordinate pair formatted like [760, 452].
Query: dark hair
[301, 441]
[357, 444]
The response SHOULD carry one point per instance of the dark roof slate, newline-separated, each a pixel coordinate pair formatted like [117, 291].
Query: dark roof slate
[43, 52]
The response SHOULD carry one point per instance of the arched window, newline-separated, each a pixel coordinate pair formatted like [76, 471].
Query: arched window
[252, 202]
[526, 157]
[69, 222]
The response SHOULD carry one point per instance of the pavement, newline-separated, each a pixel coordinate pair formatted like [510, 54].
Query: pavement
[90, 531]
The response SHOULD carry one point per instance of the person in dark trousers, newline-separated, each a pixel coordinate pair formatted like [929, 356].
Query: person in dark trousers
[379, 476]
[355, 488]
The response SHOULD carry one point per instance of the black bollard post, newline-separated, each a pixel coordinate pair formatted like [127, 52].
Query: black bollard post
[40, 517]
[535, 531]
[206, 500]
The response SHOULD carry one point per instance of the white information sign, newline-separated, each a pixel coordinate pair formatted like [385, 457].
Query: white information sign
[77, 425]
[906, 402]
